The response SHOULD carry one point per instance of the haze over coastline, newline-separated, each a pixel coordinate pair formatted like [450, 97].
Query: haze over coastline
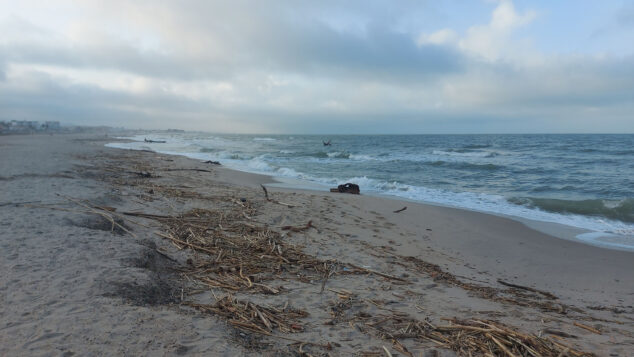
[359, 67]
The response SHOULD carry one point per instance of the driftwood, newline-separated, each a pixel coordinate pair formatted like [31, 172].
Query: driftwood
[559, 333]
[545, 293]
[144, 174]
[298, 229]
[400, 210]
[266, 194]
[212, 162]
[200, 170]
[588, 328]
[155, 141]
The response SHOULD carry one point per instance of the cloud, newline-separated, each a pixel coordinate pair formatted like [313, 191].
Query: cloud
[293, 66]
[440, 37]
[494, 40]
[197, 49]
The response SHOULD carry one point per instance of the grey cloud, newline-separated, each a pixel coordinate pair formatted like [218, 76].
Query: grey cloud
[44, 97]
[380, 54]
[264, 42]
[577, 82]
[374, 69]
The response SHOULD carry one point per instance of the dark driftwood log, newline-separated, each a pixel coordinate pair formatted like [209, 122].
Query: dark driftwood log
[199, 170]
[400, 210]
[155, 141]
[545, 293]
[298, 229]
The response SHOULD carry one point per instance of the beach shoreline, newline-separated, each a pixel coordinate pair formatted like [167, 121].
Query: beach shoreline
[365, 231]
[285, 158]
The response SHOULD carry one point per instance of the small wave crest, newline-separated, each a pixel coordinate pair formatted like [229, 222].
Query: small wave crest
[621, 210]
[327, 155]
[465, 153]
[476, 146]
[339, 155]
[465, 165]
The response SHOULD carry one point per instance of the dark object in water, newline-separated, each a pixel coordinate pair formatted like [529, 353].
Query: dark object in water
[155, 141]
[326, 143]
[347, 188]
[211, 162]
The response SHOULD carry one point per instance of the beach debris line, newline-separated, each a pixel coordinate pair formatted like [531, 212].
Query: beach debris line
[143, 174]
[249, 316]
[517, 296]
[249, 259]
[471, 337]
[347, 188]
[104, 212]
[184, 169]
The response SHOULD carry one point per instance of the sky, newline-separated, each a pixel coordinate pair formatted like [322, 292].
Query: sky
[321, 67]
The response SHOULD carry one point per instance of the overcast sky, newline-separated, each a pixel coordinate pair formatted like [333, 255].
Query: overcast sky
[455, 66]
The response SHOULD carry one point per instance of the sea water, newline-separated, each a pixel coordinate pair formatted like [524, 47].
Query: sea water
[583, 181]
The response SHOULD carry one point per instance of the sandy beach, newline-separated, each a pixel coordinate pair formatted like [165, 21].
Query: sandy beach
[115, 252]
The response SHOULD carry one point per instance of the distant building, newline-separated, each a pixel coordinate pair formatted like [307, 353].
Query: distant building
[51, 126]
[28, 126]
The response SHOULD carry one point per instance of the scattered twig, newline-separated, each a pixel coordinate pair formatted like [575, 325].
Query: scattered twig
[545, 293]
[377, 273]
[298, 229]
[266, 194]
[588, 328]
[200, 170]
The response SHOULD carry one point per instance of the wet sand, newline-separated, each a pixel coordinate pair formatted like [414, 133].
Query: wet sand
[71, 285]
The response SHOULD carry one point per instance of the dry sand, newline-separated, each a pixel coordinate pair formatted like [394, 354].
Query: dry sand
[72, 286]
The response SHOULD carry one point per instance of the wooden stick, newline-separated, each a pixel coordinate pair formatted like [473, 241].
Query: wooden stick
[200, 170]
[586, 327]
[266, 194]
[387, 352]
[298, 229]
[176, 240]
[378, 273]
[545, 293]
[506, 350]
[400, 210]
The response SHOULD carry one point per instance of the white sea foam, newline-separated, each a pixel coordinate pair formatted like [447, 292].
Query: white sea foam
[465, 153]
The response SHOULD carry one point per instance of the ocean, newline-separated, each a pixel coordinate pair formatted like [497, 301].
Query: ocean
[582, 181]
